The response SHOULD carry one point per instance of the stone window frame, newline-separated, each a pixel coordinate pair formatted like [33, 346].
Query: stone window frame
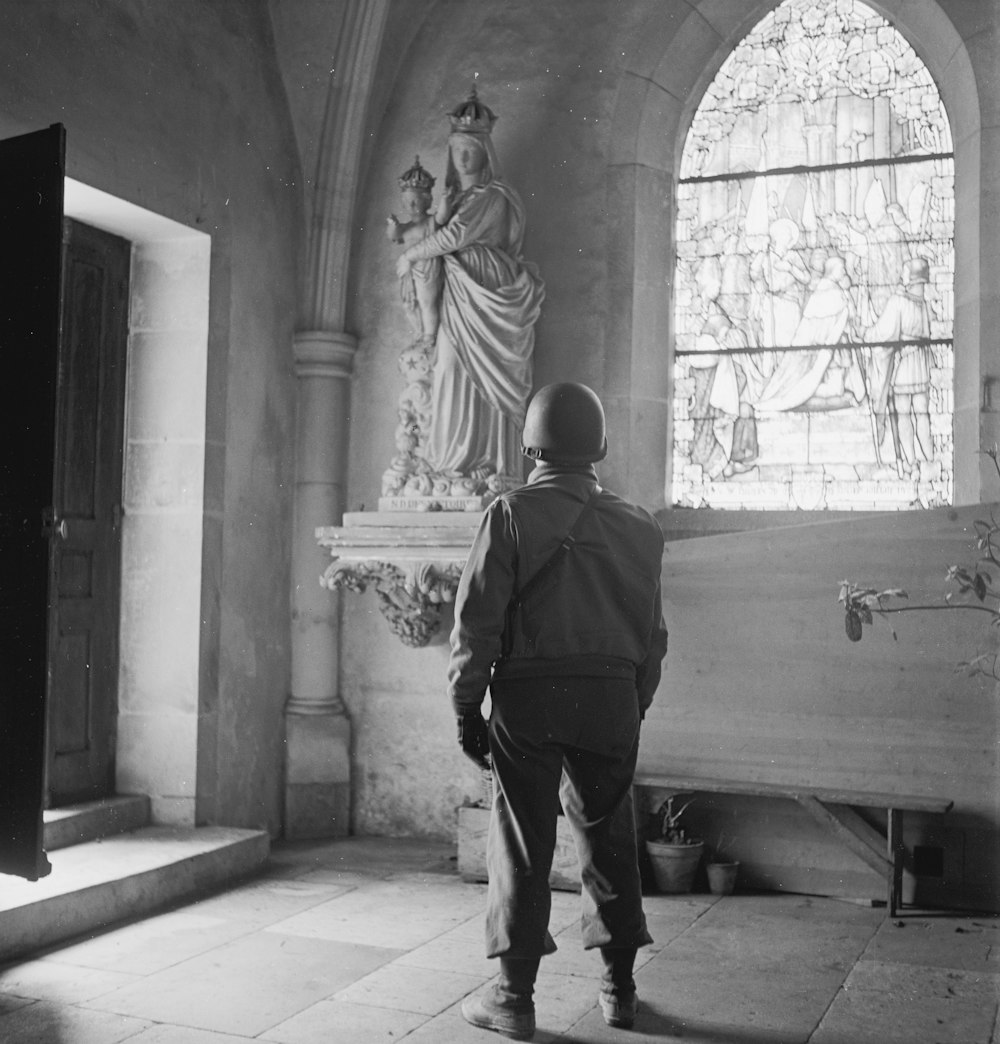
[669, 64]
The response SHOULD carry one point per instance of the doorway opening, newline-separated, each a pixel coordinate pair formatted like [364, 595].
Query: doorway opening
[163, 501]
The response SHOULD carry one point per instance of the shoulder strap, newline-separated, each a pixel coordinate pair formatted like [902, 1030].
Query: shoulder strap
[519, 597]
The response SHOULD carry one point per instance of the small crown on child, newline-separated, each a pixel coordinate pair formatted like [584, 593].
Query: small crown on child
[416, 177]
[472, 116]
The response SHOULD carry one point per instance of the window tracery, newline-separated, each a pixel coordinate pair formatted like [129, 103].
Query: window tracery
[814, 282]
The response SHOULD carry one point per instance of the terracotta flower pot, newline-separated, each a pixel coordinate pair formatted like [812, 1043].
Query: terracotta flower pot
[674, 866]
[722, 877]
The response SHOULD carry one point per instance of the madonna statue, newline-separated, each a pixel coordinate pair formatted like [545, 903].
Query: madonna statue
[490, 301]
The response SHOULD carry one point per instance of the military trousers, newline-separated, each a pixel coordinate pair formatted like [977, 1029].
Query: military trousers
[569, 743]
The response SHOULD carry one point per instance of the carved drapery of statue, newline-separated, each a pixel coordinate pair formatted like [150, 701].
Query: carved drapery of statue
[460, 418]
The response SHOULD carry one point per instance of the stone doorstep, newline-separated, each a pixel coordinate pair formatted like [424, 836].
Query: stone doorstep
[98, 883]
[89, 820]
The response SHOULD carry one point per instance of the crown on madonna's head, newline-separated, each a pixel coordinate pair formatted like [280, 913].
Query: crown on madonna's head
[416, 177]
[472, 116]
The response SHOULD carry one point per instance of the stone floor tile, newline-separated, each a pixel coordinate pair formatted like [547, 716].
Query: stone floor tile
[9, 1002]
[329, 877]
[927, 981]
[667, 917]
[405, 988]
[649, 1024]
[451, 1028]
[43, 1022]
[688, 906]
[900, 1004]
[565, 912]
[266, 900]
[247, 986]
[330, 1022]
[572, 959]
[186, 1035]
[473, 927]
[453, 952]
[730, 933]
[729, 995]
[817, 909]
[657, 1023]
[373, 857]
[151, 945]
[46, 980]
[563, 1000]
[433, 876]
[384, 913]
[591, 1029]
[948, 942]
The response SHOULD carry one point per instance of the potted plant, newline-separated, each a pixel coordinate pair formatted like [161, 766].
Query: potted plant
[722, 869]
[674, 855]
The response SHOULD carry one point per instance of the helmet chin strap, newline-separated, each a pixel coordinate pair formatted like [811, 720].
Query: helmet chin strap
[536, 454]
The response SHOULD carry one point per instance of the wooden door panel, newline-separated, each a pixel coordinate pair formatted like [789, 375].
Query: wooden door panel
[70, 725]
[32, 167]
[83, 291]
[84, 625]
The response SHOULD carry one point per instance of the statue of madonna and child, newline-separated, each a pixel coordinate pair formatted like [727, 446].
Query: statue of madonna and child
[473, 302]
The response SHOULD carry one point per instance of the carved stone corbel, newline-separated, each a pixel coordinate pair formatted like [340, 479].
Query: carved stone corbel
[412, 561]
[409, 599]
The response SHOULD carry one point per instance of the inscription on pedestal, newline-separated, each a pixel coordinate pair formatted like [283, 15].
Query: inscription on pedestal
[419, 503]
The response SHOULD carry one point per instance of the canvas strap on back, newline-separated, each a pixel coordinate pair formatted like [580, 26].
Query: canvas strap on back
[519, 597]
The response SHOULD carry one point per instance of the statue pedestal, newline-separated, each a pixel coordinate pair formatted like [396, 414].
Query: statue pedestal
[412, 560]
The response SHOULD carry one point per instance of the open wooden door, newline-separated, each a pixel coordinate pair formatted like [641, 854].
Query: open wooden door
[84, 586]
[31, 217]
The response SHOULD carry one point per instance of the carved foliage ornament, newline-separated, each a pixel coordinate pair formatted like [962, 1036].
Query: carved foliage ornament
[409, 599]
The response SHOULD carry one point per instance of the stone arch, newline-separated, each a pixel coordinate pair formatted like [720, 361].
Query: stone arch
[669, 63]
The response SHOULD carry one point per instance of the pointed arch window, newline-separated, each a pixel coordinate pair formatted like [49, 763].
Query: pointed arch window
[814, 282]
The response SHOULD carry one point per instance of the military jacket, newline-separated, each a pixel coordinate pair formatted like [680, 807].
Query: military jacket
[598, 610]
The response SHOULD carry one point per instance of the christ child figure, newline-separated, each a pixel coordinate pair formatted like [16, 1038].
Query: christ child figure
[420, 287]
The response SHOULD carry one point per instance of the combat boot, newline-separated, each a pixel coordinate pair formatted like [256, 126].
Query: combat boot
[507, 1007]
[618, 998]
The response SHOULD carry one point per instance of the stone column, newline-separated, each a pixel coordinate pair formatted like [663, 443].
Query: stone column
[317, 729]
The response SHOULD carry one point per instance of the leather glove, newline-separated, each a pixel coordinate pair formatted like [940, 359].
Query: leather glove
[474, 739]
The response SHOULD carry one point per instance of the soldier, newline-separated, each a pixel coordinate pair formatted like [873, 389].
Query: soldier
[559, 614]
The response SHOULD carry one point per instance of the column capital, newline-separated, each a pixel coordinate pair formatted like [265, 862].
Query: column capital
[324, 353]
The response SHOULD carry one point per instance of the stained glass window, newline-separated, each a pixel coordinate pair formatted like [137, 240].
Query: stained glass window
[814, 286]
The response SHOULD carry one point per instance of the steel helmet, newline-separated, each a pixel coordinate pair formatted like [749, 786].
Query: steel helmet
[565, 423]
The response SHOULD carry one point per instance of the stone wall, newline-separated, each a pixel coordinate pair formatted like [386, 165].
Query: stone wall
[593, 100]
[179, 109]
[551, 79]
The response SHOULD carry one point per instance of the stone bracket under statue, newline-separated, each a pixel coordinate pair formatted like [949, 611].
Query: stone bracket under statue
[412, 560]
